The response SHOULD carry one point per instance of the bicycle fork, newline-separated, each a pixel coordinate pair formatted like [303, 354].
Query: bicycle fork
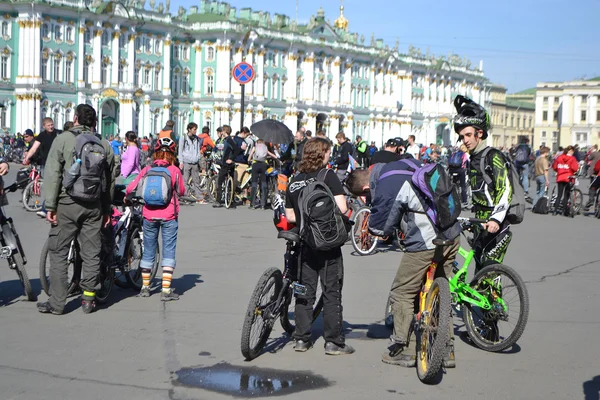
[426, 286]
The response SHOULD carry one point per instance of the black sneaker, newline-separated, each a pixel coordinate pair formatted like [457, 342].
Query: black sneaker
[302, 346]
[46, 308]
[218, 205]
[333, 349]
[88, 306]
[169, 296]
[449, 359]
[145, 292]
[398, 354]
[587, 206]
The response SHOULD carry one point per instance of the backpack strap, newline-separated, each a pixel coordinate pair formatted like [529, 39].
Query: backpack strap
[322, 174]
[483, 165]
[413, 167]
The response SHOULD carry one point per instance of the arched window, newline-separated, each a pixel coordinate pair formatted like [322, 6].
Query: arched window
[57, 75]
[185, 82]
[86, 71]
[45, 31]
[208, 123]
[210, 82]
[3, 117]
[136, 75]
[121, 74]
[122, 40]
[105, 73]
[56, 115]
[157, 46]
[67, 114]
[69, 35]
[147, 73]
[4, 66]
[57, 32]
[5, 29]
[210, 54]
[155, 127]
[177, 52]
[87, 36]
[274, 88]
[175, 81]
[157, 77]
[44, 69]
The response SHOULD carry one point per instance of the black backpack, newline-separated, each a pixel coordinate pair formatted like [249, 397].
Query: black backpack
[541, 206]
[86, 180]
[322, 225]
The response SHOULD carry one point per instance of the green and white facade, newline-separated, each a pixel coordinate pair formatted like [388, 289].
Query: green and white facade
[141, 66]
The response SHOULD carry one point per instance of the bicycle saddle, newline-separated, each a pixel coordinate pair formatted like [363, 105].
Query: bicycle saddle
[289, 235]
[442, 242]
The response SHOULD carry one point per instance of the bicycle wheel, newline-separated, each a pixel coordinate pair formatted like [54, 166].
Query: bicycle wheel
[23, 277]
[363, 242]
[434, 330]
[288, 319]
[136, 250]
[211, 189]
[500, 327]
[260, 315]
[577, 201]
[106, 279]
[32, 201]
[74, 269]
[597, 207]
[228, 192]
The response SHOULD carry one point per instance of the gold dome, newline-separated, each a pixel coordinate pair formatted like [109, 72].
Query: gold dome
[341, 22]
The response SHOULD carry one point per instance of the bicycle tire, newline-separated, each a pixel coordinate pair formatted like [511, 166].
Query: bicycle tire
[519, 328]
[290, 306]
[28, 195]
[263, 287]
[228, 192]
[23, 277]
[434, 330]
[106, 279]
[363, 242]
[597, 207]
[577, 201]
[134, 276]
[211, 191]
[74, 269]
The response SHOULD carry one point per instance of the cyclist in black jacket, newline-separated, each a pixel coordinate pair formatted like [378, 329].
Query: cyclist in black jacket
[230, 152]
[342, 158]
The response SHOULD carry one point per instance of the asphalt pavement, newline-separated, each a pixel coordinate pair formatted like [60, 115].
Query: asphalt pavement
[141, 348]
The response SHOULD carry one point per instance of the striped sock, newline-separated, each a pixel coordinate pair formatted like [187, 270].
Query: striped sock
[145, 277]
[166, 279]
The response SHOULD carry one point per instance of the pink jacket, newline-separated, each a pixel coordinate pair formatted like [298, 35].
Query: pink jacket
[172, 211]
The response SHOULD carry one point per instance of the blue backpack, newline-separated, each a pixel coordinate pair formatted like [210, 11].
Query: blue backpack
[157, 188]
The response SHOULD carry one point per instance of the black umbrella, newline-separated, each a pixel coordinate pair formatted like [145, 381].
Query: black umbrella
[272, 131]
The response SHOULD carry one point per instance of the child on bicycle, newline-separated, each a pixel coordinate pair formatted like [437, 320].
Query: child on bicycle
[396, 205]
[565, 166]
[163, 218]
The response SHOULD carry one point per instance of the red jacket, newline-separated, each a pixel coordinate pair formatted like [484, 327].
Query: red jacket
[565, 166]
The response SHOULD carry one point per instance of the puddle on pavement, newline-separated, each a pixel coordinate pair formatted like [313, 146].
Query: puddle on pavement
[249, 381]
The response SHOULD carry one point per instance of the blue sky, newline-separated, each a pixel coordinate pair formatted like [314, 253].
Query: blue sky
[521, 42]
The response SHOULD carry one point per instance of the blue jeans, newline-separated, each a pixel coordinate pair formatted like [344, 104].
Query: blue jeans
[524, 172]
[169, 241]
[541, 187]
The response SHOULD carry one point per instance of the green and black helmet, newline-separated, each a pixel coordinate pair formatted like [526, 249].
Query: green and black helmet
[472, 114]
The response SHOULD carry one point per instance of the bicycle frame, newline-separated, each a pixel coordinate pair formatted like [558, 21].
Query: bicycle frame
[8, 249]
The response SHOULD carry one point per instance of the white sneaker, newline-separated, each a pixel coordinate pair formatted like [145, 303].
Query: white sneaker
[41, 214]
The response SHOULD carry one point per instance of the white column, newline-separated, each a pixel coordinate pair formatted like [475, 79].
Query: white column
[145, 125]
[131, 62]
[19, 111]
[28, 62]
[166, 115]
[235, 119]
[96, 75]
[345, 100]
[260, 75]
[115, 59]
[335, 127]
[197, 115]
[223, 70]
[166, 71]
[126, 116]
[235, 87]
[290, 86]
[197, 74]
[259, 114]
[371, 97]
[21, 60]
[80, 54]
[335, 88]
[308, 74]
[311, 125]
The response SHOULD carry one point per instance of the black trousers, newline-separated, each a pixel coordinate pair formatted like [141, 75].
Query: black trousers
[259, 173]
[226, 169]
[562, 198]
[491, 248]
[329, 267]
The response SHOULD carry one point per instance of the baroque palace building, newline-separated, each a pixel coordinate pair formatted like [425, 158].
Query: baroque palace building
[140, 66]
[512, 116]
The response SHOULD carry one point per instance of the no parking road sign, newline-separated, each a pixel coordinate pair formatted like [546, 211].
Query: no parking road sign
[243, 73]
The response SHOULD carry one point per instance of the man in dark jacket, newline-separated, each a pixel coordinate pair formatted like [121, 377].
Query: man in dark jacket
[229, 152]
[294, 149]
[72, 217]
[342, 158]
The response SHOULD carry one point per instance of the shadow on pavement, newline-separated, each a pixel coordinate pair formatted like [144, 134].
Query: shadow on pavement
[591, 388]
[185, 283]
[11, 291]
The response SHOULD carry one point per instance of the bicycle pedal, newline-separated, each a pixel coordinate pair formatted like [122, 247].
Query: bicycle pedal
[5, 252]
[299, 289]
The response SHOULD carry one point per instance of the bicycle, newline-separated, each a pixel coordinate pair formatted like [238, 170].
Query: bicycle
[273, 298]
[11, 248]
[485, 300]
[33, 191]
[574, 202]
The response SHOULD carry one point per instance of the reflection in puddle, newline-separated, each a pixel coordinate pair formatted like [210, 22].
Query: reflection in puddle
[249, 381]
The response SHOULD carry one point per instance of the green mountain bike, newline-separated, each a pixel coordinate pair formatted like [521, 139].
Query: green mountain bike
[494, 305]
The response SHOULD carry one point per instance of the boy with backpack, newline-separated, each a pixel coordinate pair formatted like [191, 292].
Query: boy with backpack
[542, 166]
[79, 183]
[314, 202]
[497, 196]
[419, 200]
[522, 158]
[190, 146]
[162, 184]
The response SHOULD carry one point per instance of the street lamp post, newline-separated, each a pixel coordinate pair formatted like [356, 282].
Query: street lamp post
[252, 35]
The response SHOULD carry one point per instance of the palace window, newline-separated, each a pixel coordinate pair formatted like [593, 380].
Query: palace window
[105, 73]
[545, 116]
[210, 54]
[122, 40]
[146, 80]
[45, 70]
[4, 67]
[210, 82]
[598, 116]
[184, 53]
[56, 115]
[105, 38]
[555, 115]
[69, 71]
[121, 74]
[147, 44]
[57, 32]
[69, 34]
[5, 29]
[543, 135]
[86, 71]
[87, 36]
[45, 31]
[584, 99]
[175, 84]
[136, 76]
[157, 46]
[185, 82]
[3, 117]
[138, 43]
[583, 115]
[176, 52]
[157, 77]
[57, 77]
